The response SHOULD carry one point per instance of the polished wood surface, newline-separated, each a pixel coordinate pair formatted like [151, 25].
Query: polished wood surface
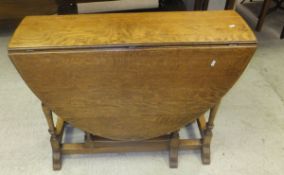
[136, 93]
[132, 29]
[138, 79]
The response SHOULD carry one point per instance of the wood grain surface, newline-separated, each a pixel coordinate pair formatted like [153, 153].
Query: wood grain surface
[132, 76]
[132, 29]
[132, 94]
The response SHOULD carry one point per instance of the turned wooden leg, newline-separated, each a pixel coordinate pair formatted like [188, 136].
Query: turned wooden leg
[206, 139]
[206, 133]
[56, 153]
[205, 149]
[55, 138]
[173, 152]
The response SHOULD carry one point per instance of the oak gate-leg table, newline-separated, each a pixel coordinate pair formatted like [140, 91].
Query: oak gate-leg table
[131, 81]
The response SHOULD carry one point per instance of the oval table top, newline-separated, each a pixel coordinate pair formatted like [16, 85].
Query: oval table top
[136, 79]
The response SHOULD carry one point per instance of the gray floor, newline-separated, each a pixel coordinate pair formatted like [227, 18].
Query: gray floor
[248, 136]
